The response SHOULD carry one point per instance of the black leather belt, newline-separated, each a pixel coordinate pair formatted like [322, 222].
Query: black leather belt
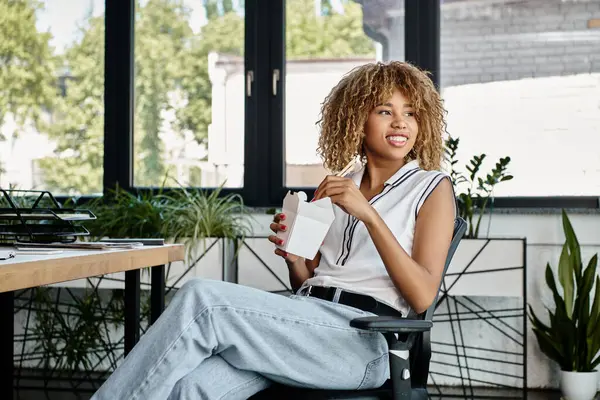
[360, 301]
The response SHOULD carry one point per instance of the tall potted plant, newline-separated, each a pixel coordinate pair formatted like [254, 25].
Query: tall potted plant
[477, 254]
[474, 200]
[485, 275]
[572, 337]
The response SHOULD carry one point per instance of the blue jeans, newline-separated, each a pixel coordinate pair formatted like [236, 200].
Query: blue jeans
[219, 340]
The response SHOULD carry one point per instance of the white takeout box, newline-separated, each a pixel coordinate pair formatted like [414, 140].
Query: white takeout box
[307, 224]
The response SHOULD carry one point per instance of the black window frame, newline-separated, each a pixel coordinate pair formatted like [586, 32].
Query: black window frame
[264, 136]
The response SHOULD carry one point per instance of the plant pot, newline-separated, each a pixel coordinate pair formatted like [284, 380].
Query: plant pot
[483, 310]
[578, 385]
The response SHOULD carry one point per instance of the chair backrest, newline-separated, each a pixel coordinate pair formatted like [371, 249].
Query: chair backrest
[460, 227]
[420, 353]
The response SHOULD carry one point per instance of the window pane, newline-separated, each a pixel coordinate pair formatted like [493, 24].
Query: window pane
[325, 39]
[51, 95]
[522, 79]
[189, 70]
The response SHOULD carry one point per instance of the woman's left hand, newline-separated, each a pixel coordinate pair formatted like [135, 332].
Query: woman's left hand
[344, 193]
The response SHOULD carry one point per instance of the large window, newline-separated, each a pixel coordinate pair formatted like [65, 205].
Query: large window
[325, 40]
[51, 95]
[522, 79]
[214, 99]
[189, 93]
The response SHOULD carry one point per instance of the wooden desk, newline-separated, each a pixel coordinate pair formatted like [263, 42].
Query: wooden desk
[27, 271]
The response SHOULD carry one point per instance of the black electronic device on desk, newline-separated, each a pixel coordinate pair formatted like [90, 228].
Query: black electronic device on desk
[35, 216]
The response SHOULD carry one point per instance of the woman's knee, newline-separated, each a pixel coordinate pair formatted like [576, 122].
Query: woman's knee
[204, 290]
[193, 284]
[199, 285]
[187, 388]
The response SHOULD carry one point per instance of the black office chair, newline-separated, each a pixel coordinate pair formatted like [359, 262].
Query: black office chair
[409, 357]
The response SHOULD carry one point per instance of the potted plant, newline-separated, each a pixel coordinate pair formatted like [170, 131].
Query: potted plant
[473, 202]
[195, 217]
[122, 214]
[484, 278]
[476, 254]
[572, 337]
[192, 215]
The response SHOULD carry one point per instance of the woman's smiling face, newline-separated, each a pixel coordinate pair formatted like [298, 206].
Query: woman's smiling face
[391, 129]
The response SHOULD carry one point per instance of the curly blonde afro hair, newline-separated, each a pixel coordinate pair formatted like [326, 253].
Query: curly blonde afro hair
[347, 107]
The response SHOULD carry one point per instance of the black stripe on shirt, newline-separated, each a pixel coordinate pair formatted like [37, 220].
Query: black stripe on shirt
[348, 224]
[389, 188]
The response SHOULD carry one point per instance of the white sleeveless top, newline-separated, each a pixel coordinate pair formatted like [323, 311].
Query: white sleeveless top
[349, 259]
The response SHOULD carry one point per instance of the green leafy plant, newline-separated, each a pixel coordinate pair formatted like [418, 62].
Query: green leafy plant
[473, 202]
[68, 334]
[183, 215]
[572, 338]
[122, 214]
[195, 214]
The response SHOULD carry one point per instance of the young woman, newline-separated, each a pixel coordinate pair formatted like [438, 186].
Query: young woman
[384, 255]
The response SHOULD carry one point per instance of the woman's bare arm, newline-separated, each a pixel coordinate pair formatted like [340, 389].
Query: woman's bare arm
[418, 277]
[301, 270]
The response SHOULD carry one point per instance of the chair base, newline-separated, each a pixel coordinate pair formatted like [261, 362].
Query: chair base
[292, 393]
[289, 393]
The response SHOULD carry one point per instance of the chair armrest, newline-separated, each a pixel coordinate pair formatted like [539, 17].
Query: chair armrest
[391, 324]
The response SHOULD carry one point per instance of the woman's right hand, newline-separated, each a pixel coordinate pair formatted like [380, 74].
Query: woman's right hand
[278, 225]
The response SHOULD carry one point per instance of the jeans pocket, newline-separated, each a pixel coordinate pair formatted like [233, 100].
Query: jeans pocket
[362, 313]
[341, 308]
[375, 373]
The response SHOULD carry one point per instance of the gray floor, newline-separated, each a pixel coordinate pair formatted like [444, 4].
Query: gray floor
[480, 394]
[489, 394]
[448, 393]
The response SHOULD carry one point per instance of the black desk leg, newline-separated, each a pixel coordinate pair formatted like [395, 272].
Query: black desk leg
[132, 309]
[7, 332]
[157, 292]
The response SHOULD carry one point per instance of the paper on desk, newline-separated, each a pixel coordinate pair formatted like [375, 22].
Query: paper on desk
[6, 254]
[307, 224]
[79, 245]
[37, 251]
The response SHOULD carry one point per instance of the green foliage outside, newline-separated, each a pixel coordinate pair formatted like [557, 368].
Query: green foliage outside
[171, 75]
